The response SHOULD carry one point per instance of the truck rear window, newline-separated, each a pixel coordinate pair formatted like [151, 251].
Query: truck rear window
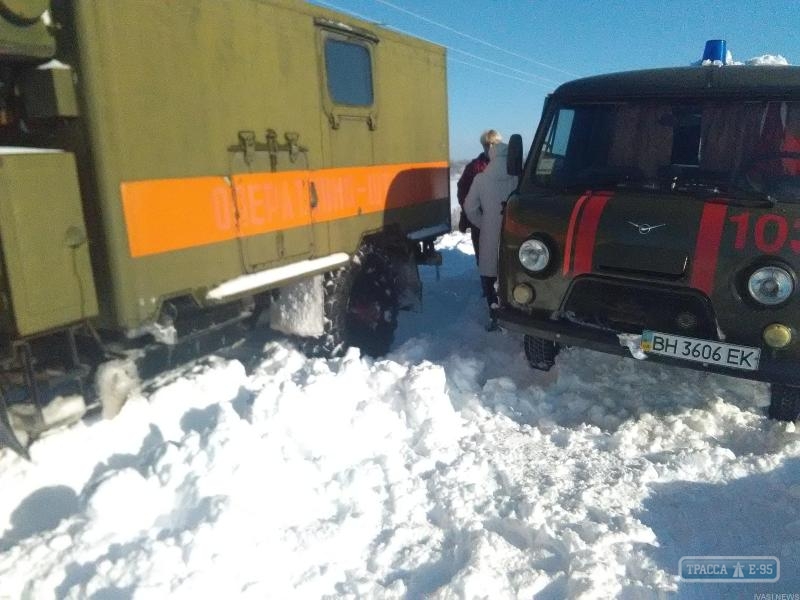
[349, 72]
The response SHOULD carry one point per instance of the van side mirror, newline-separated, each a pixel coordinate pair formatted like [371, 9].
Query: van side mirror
[514, 158]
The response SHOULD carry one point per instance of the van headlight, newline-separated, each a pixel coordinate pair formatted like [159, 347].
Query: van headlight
[534, 255]
[770, 285]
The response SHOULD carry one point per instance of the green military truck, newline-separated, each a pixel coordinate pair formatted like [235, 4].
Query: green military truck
[170, 168]
[658, 215]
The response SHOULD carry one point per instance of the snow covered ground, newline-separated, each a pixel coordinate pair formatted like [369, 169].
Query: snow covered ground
[446, 470]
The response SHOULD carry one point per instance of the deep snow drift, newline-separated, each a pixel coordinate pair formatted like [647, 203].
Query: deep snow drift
[446, 470]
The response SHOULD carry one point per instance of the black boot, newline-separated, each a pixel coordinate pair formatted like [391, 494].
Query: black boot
[492, 324]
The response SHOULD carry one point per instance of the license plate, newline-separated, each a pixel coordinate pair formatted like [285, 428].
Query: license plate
[703, 351]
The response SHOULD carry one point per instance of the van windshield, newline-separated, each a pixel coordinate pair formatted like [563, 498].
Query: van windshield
[708, 148]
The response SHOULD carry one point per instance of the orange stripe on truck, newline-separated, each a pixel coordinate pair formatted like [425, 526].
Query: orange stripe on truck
[163, 215]
[270, 201]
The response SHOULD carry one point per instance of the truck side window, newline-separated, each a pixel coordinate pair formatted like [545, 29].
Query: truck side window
[349, 72]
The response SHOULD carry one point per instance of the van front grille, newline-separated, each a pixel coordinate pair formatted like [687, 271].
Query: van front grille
[632, 307]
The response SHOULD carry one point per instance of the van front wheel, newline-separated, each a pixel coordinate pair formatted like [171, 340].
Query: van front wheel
[541, 353]
[784, 402]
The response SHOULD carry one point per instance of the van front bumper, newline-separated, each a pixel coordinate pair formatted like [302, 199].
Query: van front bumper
[772, 367]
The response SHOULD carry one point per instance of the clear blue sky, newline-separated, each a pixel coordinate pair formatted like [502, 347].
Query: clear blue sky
[555, 41]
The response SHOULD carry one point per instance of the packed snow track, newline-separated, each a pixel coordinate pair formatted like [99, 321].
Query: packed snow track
[448, 469]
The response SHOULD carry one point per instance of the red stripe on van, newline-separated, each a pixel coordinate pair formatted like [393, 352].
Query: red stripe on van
[706, 252]
[587, 233]
[573, 219]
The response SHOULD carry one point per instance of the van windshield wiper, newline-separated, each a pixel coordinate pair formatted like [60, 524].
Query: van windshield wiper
[724, 193]
[643, 185]
[604, 177]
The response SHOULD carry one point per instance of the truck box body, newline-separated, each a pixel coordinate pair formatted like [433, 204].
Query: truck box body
[169, 169]
[217, 147]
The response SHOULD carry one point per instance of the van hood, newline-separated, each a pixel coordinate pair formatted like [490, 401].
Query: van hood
[633, 234]
[663, 237]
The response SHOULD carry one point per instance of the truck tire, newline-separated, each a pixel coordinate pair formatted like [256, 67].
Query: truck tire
[541, 353]
[784, 402]
[361, 306]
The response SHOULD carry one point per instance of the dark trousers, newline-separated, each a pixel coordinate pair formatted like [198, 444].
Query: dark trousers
[487, 284]
[476, 237]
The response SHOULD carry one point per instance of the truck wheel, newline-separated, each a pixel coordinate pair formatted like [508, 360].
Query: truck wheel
[373, 303]
[784, 402]
[541, 353]
[361, 306]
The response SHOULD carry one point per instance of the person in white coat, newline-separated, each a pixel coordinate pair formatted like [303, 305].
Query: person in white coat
[484, 207]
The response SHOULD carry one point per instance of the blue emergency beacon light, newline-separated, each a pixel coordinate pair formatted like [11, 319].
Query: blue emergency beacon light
[715, 51]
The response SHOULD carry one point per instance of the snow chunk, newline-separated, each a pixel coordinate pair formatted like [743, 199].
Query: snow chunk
[115, 381]
[26, 150]
[768, 59]
[300, 308]
[633, 342]
[64, 409]
[763, 60]
[456, 241]
[429, 412]
[53, 64]
[109, 505]
[162, 333]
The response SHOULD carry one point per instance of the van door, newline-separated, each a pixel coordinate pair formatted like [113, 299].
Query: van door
[272, 197]
[348, 93]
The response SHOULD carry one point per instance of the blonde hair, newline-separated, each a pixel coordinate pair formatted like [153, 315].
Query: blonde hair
[490, 137]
